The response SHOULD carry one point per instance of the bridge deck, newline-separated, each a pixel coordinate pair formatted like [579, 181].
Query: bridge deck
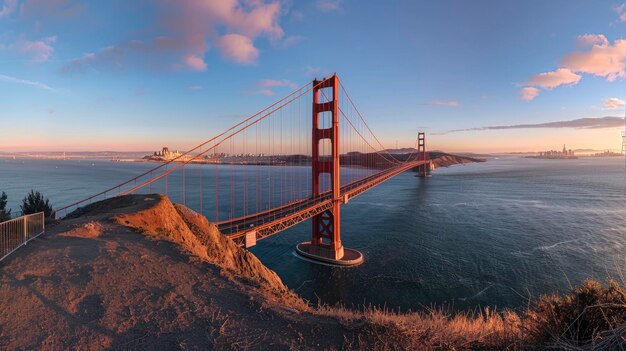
[270, 222]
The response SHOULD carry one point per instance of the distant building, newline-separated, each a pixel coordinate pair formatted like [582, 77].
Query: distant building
[166, 154]
[565, 153]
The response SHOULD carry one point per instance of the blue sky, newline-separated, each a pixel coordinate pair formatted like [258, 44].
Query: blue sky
[120, 75]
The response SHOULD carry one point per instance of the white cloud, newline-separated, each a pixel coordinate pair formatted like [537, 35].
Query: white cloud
[613, 103]
[31, 83]
[441, 103]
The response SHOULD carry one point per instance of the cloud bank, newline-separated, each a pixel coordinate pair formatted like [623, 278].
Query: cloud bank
[189, 29]
[581, 123]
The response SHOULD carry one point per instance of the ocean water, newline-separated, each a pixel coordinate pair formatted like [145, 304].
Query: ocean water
[485, 234]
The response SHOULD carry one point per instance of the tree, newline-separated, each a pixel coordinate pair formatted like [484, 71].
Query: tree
[35, 202]
[4, 214]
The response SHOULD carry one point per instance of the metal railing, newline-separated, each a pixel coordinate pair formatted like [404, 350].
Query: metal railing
[19, 231]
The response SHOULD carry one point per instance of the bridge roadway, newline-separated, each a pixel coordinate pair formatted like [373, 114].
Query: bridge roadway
[272, 221]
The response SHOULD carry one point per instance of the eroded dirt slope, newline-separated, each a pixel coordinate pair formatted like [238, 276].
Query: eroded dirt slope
[138, 272]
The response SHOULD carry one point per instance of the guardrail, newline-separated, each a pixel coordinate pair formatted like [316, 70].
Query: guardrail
[19, 231]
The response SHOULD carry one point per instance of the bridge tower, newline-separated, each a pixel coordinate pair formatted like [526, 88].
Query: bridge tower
[325, 244]
[423, 170]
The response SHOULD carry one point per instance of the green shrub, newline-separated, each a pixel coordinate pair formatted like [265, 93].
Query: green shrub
[4, 214]
[35, 202]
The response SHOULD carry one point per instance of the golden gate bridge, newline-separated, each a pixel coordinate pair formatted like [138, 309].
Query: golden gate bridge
[320, 154]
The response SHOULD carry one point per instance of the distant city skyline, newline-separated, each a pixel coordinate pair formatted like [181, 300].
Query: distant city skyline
[133, 76]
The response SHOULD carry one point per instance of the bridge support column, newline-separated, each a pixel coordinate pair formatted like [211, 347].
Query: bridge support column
[325, 244]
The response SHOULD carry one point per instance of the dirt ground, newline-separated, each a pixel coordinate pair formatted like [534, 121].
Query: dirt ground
[93, 283]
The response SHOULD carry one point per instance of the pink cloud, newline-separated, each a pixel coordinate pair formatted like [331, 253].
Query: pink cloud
[289, 41]
[441, 103]
[189, 29]
[613, 103]
[37, 51]
[267, 86]
[238, 48]
[551, 80]
[45, 9]
[195, 63]
[112, 56]
[621, 12]
[273, 83]
[603, 60]
[315, 72]
[8, 8]
[529, 93]
[592, 39]
[297, 15]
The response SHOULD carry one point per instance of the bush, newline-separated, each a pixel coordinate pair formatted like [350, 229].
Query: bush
[4, 214]
[35, 202]
[591, 316]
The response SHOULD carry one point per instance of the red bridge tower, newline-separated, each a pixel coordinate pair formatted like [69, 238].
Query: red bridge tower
[423, 170]
[325, 244]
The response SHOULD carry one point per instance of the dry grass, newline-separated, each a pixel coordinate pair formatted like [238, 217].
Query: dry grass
[590, 317]
[432, 329]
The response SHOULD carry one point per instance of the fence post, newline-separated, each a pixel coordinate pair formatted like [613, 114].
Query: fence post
[25, 229]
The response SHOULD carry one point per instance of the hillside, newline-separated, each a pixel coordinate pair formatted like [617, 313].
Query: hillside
[138, 272]
[442, 159]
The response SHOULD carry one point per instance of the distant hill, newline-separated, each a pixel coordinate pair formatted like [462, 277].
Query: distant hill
[587, 151]
[404, 150]
[443, 159]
